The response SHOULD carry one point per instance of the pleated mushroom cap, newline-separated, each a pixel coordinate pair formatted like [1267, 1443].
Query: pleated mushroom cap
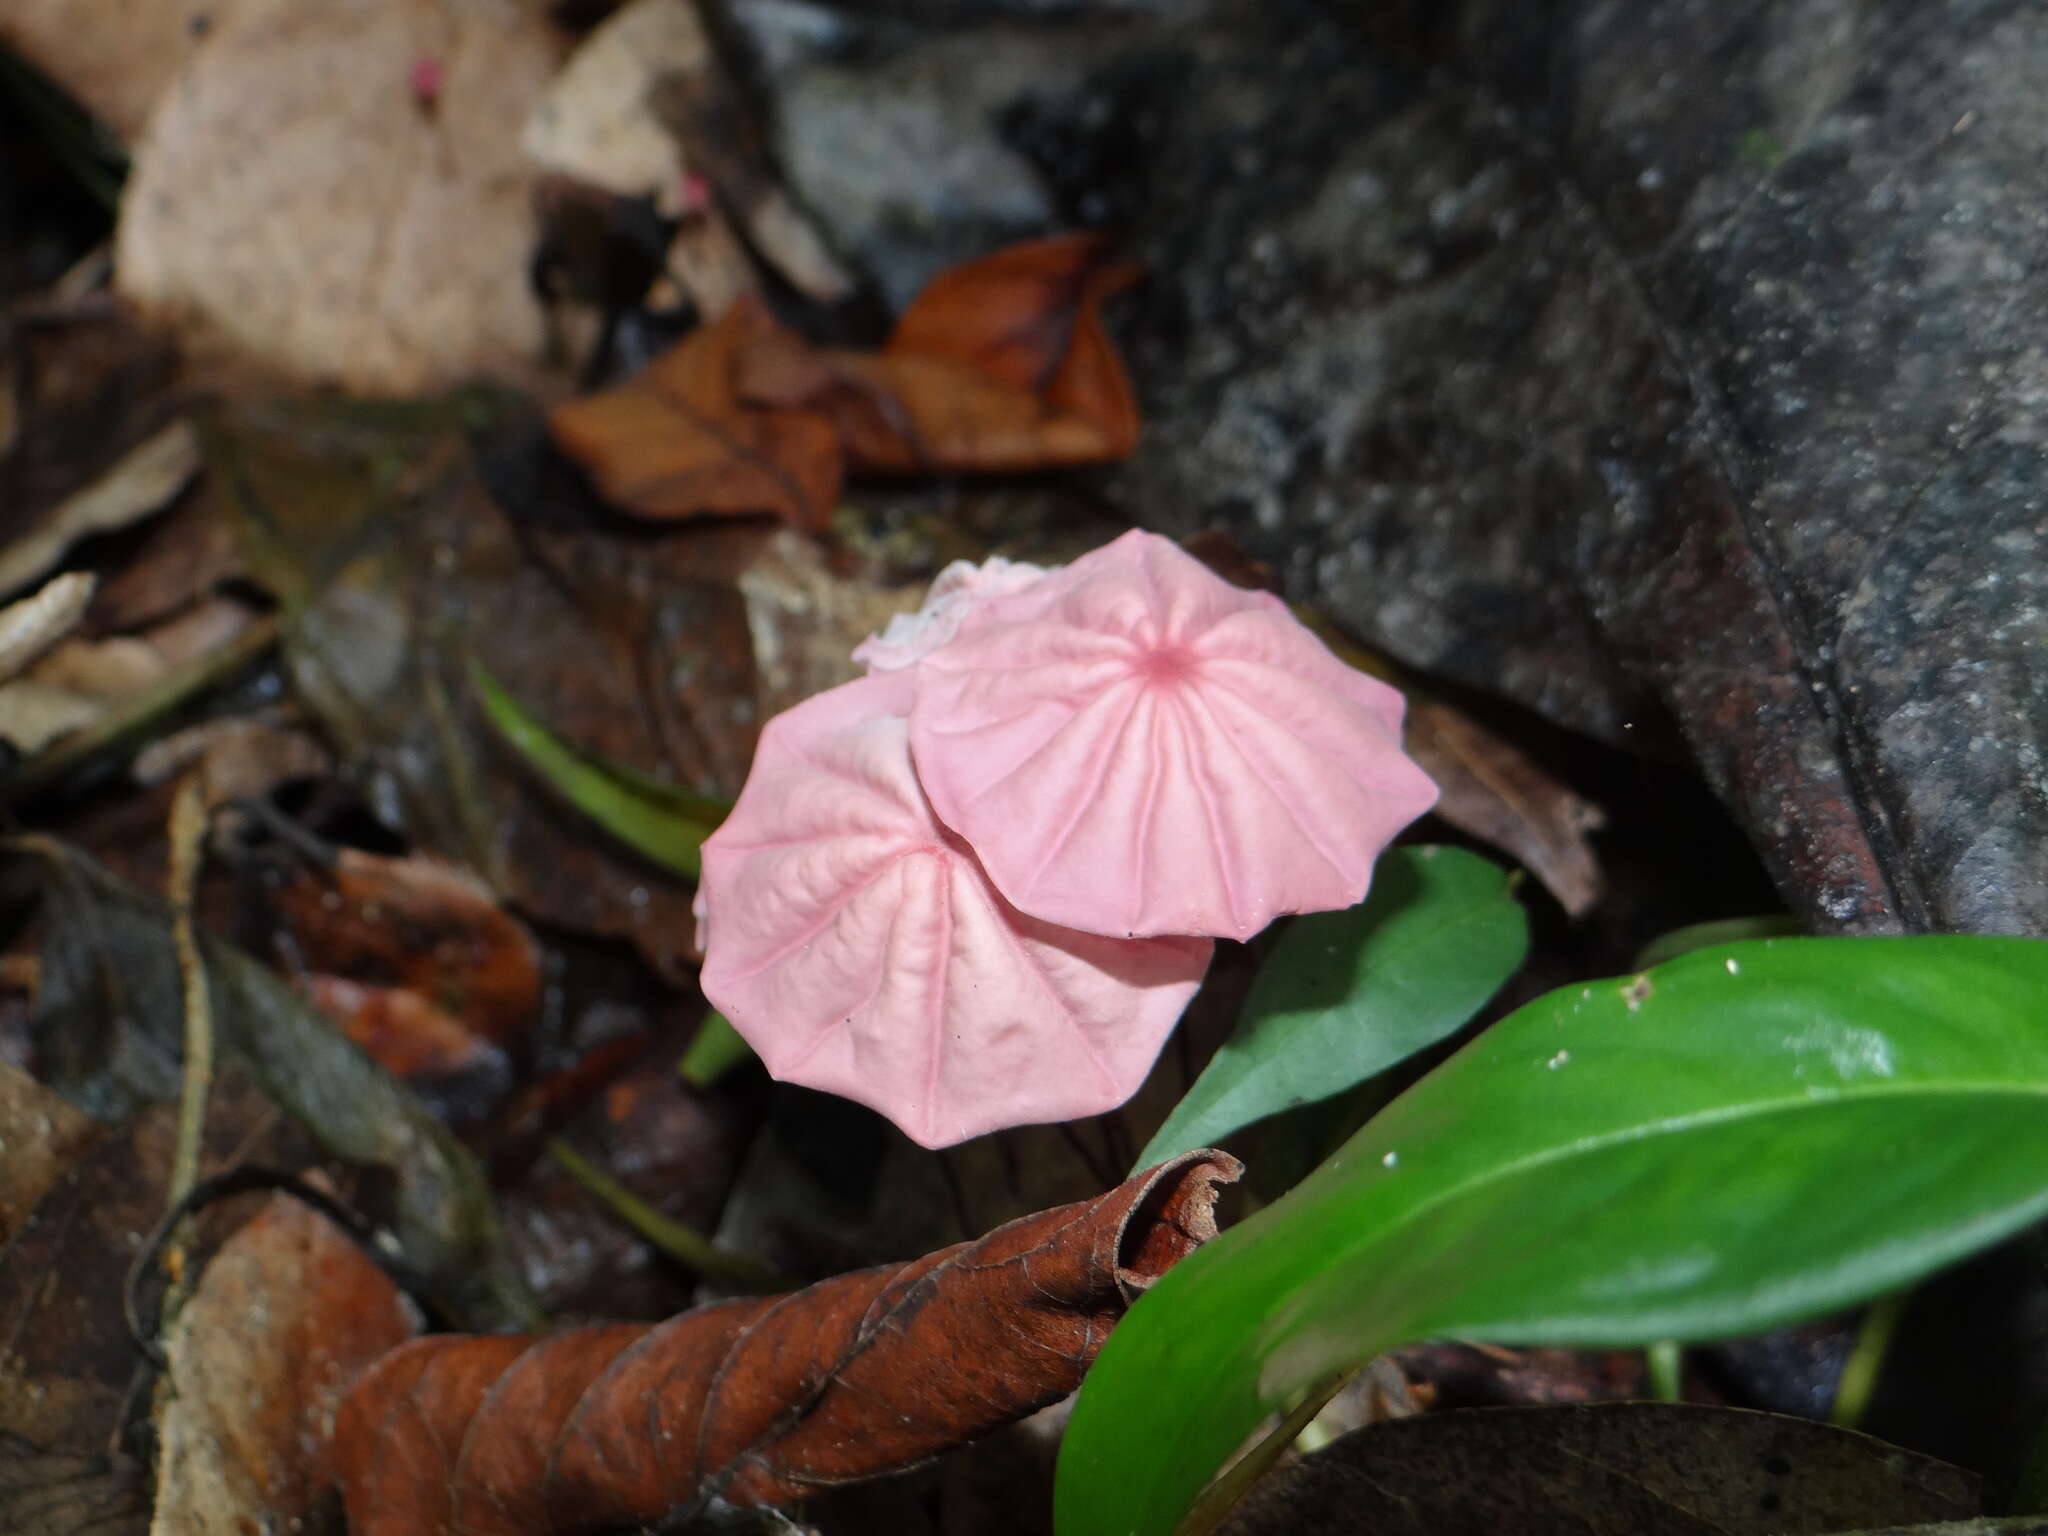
[858, 946]
[1134, 747]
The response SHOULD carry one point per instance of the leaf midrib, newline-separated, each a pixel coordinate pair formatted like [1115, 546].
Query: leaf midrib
[1684, 1125]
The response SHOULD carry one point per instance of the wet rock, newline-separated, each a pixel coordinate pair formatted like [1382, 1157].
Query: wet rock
[1646, 361]
[903, 161]
[1670, 368]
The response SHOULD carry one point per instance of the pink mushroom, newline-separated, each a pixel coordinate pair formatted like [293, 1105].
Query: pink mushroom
[1133, 747]
[961, 589]
[859, 948]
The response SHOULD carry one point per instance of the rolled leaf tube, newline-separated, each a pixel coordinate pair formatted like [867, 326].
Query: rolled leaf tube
[765, 1400]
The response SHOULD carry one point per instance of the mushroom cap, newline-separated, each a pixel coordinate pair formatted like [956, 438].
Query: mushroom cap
[1134, 747]
[956, 593]
[860, 949]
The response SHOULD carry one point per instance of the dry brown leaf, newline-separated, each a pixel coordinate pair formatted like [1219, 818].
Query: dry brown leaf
[1000, 364]
[676, 440]
[1495, 791]
[422, 927]
[903, 414]
[760, 1401]
[408, 1034]
[296, 203]
[285, 1317]
[1007, 369]
[1012, 315]
[143, 481]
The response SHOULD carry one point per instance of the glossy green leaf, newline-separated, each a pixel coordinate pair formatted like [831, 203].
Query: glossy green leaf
[1744, 1137]
[662, 822]
[1726, 930]
[1344, 995]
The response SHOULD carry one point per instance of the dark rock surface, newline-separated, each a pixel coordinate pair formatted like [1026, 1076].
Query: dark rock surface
[1666, 365]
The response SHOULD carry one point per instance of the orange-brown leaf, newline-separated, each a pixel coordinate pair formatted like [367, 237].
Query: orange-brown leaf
[285, 1316]
[899, 414]
[407, 1034]
[420, 925]
[765, 1400]
[1008, 316]
[679, 439]
[1090, 383]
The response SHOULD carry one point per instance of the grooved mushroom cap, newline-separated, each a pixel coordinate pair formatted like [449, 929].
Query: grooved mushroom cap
[859, 948]
[1134, 747]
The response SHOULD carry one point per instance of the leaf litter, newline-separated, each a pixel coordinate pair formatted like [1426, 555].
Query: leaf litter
[644, 633]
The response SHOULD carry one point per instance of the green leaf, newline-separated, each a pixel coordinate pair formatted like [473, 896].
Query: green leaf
[662, 822]
[1726, 930]
[1744, 1137]
[1344, 995]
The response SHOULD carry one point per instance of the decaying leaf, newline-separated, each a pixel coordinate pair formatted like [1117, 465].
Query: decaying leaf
[83, 682]
[1002, 366]
[68, 1362]
[631, 644]
[295, 203]
[461, 1074]
[108, 1035]
[1611, 1469]
[242, 758]
[142, 481]
[421, 925]
[286, 1315]
[677, 439]
[57, 1493]
[1027, 316]
[1494, 790]
[672, 1147]
[760, 1401]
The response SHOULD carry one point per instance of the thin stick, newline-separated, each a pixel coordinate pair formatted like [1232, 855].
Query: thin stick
[188, 836]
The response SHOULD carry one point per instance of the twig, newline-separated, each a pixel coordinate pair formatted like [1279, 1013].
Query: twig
[188, 837]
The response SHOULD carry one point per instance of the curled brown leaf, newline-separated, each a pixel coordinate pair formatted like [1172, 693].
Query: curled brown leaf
[766, 1400]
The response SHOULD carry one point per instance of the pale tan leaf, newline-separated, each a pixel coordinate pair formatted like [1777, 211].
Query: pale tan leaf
[32, 625]
[143, 481]
[296, 203]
